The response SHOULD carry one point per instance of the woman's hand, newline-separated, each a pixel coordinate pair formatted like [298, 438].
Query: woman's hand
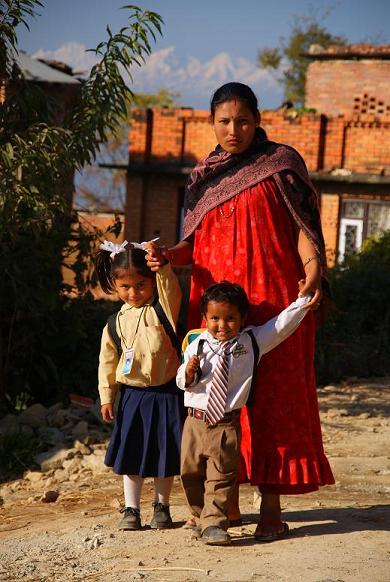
[107, 411]
[192, 367]
[311, 285]
[155, 256]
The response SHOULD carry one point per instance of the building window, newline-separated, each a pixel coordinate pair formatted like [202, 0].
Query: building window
[360, 220]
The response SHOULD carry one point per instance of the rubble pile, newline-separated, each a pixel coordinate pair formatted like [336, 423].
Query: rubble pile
[72, 441]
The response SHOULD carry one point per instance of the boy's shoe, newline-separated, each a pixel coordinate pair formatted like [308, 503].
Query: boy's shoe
[131, 519]
[161, 517]
[196, 532]
[215, 536]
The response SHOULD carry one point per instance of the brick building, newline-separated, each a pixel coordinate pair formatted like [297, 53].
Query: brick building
[346, 148]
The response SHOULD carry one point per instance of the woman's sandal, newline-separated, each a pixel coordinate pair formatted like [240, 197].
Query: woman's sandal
[273, 536]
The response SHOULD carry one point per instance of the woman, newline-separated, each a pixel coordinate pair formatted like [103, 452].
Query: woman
[251, 217]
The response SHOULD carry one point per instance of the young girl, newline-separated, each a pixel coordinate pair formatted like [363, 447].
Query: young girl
[146, 437]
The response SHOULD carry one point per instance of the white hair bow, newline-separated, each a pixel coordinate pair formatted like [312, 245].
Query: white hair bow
[136, 245]
[113, 248]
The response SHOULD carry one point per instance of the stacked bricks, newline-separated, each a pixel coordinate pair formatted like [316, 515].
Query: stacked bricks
[349, 86]
[367, 145]
[179, 138]
[330, 214]
[182, 137]
[303, 132]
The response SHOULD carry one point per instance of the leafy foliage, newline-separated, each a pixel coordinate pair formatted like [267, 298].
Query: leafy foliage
[288, 62]
[49, 342]
[355, 341]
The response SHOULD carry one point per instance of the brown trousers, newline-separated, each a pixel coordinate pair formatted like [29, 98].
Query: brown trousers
[209, 464]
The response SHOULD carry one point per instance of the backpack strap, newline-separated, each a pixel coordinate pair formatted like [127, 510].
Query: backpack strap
[256, 354]
[111, 324]
[167, 325]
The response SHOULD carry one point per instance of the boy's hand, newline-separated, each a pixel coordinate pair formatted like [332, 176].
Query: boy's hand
[155, 256]
[192, 367]
[107, 411]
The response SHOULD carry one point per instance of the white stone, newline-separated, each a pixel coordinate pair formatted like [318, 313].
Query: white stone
[33, 476]
[95, 462]
[53, 458]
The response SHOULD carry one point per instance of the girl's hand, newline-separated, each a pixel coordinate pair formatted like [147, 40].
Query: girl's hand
[192, 367]
[155, 256]
[107, 411]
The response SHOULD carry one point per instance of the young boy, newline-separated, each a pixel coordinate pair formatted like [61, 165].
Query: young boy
[217, 375]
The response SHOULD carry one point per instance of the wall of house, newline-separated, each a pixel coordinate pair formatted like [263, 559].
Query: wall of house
[166, 139]
[349, 86]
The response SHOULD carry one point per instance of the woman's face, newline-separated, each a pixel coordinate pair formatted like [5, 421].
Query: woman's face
[234, 126]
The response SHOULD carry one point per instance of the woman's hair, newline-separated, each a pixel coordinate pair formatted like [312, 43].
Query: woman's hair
[231, 91]
[225, 292]
[130, 260]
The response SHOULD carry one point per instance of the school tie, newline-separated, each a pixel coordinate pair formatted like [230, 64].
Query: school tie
[215, 409]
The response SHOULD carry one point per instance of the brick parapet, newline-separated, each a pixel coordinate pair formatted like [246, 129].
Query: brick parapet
[360, 143]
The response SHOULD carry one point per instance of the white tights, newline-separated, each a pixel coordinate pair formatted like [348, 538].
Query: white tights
[132, 487]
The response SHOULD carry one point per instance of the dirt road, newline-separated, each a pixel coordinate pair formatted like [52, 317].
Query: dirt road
[339, 534]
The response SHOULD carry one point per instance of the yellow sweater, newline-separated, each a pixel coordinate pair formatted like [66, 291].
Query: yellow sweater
[155, 359]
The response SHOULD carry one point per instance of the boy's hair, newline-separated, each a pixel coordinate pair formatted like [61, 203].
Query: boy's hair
[225, 292]
[130, 260]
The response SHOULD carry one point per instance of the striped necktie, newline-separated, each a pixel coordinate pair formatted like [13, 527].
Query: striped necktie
[216, 403]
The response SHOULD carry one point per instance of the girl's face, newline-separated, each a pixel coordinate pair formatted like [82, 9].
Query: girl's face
[234, 126]
[135, 290]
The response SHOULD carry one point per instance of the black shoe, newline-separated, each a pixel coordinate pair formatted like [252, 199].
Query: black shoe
[161, 518]
[131, 519]
[215, 536]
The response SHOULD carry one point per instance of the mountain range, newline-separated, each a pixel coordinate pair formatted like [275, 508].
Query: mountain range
[194, 80]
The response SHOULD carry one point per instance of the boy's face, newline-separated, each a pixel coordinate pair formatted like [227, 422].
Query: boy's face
[223, 320]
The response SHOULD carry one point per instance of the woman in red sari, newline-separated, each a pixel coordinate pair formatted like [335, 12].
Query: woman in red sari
[251, 217]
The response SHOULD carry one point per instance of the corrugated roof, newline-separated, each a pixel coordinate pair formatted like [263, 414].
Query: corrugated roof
[34, 70]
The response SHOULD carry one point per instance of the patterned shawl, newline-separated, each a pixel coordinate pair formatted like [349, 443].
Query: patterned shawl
[222, 175]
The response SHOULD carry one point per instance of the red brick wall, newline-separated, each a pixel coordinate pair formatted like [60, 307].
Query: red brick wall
[302, 132]
[367, 145]
[349, 86]
[357, 143]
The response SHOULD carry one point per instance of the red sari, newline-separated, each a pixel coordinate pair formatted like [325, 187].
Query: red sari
[251, 239]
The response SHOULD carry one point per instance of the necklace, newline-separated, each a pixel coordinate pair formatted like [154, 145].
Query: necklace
[231, 210]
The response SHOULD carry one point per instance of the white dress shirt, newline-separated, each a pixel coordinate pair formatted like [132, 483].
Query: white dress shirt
[241, 358]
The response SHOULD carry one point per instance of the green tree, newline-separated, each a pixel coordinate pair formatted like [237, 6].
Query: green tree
[288, 61]
[44, 336]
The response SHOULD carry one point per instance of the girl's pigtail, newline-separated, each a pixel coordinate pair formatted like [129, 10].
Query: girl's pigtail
[103, 268]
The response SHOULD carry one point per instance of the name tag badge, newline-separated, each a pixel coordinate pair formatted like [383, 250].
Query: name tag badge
[128, 357]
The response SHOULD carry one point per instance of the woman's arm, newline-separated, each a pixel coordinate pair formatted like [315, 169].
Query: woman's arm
[312, 267]
[178, 255]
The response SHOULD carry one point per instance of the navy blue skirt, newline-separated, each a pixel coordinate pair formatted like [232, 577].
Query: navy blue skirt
[147, 434]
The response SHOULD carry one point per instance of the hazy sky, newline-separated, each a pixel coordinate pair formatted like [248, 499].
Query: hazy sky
[204, 42]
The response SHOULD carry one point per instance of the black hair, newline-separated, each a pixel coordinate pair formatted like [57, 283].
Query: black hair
[225, 292]
[131, 260]
[231, 91]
